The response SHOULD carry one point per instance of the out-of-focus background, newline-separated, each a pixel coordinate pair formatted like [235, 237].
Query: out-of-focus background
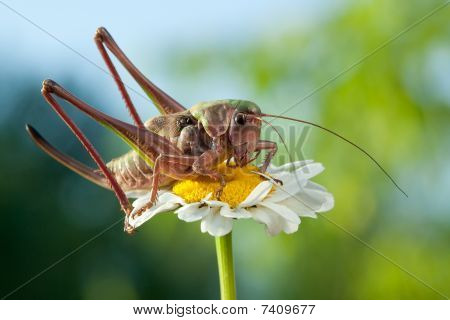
[395, 103]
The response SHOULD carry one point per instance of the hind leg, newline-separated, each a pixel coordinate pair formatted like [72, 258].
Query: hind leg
[162, 100]
[47, 91]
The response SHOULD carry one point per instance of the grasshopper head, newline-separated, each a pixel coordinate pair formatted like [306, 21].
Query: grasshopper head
[244, 132]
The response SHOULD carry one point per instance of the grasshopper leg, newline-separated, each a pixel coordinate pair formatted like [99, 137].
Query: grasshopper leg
[123, 91]
[175, 166]
[204, 166]
[272, 148]
[266, 145]
[74, 165]
[183, 166]
[162, 100]
[47, 91]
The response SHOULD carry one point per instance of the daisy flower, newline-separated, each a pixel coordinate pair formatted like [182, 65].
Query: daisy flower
[247, 194]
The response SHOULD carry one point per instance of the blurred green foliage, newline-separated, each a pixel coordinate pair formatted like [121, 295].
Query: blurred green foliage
[395, 104]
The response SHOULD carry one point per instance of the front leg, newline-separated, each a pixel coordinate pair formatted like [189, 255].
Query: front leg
[205, 164]
[272, 148]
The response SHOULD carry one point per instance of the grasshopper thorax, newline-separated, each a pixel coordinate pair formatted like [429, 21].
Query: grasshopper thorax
[236, 118]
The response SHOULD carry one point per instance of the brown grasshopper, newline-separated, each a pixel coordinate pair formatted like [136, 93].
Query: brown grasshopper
[181, 143]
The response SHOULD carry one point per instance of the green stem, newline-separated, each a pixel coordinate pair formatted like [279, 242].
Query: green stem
[224, 249]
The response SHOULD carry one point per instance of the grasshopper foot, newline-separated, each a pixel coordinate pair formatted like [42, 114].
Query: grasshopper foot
[143, 209]
[278, 181]
[128, 228]
[219, 191]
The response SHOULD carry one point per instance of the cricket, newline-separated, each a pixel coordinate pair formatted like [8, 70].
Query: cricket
[179, 144]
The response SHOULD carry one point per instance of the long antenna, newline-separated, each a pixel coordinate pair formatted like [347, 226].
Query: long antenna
[345, 139]
[285, 146]
[279, 135]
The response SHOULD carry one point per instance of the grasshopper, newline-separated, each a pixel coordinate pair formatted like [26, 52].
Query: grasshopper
[179, 144]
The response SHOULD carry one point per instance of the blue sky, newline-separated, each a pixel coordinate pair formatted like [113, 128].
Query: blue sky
[143, 29]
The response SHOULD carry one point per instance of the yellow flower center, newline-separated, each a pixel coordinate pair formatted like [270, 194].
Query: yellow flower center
[240, 182]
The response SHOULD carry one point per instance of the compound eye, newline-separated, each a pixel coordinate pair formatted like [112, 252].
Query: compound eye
[240, 119]
[185, 121]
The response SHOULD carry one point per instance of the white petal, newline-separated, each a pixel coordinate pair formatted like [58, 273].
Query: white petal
[283, 176]
[216, 225]
[328, 203]
[290, 187]
[289, 227]
[300, 208]
[163, 197]
[150, 213]
[273, 222]
[208, 196]
[295, 181]
[141, 201]
[315, 192]
[315, 186]
[203, 225]
[192, 212]
[309, 171]
[312, 195]
[314, 198]
[237, 213]
[215, 203]
[283, 211]
[166, 202]
[133, 194]
[257, 194]
[288, 166]
[170, 197]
